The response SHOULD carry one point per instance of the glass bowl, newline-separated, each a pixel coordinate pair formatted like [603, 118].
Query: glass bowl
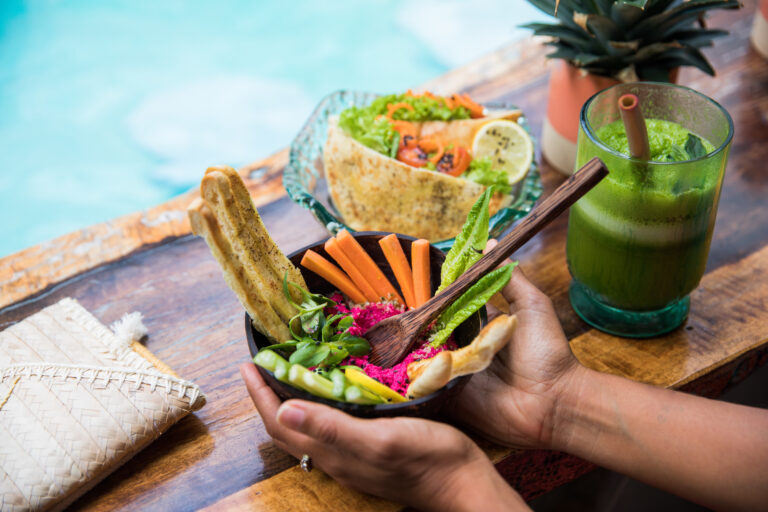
[305, 182]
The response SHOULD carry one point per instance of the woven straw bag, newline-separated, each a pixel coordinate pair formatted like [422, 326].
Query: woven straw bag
[76, 402]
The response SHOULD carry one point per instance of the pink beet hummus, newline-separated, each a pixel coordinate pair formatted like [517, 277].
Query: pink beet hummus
[366, 317]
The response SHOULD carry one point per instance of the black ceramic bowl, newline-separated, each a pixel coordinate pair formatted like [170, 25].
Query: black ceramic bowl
[425, 407]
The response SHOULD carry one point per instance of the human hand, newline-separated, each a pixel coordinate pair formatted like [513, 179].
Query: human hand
[514, 401]
[424, 464]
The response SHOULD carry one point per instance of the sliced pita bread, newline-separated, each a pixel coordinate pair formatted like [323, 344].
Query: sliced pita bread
[373, 192]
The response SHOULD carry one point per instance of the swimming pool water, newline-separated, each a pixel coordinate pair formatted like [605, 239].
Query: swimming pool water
[107, 107]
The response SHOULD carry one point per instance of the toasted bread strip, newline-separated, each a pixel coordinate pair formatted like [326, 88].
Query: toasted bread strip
[264, 318]
[477, 356]
[256, 235]
[473, 358]
[256, 259]
[434, 376]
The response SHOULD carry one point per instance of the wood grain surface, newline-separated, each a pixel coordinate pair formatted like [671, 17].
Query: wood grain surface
[222, 458]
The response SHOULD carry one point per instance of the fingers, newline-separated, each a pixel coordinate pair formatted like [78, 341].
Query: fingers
[520, 292]
[265, 400]
[324, 424]
[267, 404]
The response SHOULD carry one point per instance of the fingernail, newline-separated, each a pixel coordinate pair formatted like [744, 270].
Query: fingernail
[290, 416]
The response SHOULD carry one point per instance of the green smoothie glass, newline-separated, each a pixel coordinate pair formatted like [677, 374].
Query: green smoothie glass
[638, 242]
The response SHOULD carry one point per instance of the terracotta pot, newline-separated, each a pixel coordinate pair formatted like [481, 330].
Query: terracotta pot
[759, 34]
[569, 89]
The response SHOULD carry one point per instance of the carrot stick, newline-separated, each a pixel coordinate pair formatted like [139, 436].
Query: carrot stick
[332, 247]
[333, 274]
[422, 286]
[367, 267]
[393, 251]
[433, 146]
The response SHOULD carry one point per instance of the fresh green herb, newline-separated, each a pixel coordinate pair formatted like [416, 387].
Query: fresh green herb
[676, 154]
[319, 340]
[695, 147]
[430, 166]
[481, 171]
[471, 301]
[395, 145]
[470, 242]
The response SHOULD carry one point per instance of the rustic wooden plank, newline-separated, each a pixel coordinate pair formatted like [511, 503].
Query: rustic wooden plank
[31, 270]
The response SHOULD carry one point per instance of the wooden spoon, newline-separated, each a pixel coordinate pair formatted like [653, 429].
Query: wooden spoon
[393, 338]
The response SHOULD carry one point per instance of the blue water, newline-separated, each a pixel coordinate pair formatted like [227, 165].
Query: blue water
[107, 107]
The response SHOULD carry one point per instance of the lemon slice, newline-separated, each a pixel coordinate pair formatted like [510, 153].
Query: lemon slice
[508, 145]
[361, 379]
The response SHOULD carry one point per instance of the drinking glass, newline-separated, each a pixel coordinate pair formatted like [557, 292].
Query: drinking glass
[638, 242]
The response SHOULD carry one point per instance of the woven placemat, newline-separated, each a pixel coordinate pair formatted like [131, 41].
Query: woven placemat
[76, 402]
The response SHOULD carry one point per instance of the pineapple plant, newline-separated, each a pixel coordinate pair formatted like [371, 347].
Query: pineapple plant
[630, 40]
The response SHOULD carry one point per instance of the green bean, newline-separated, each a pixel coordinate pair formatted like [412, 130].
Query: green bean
[340, 383]
[310, 381]
[357, 395]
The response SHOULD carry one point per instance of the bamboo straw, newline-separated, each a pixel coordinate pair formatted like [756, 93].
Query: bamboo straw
[637, 135]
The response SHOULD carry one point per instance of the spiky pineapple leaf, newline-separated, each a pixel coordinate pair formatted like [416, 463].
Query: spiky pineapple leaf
[662, 23]
[640, 4]
[653, 7]
[626, 15]
[698, 38]
[688, 56]
[564, 13]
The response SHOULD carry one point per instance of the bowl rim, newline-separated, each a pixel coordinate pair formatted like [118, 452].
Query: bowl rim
[250, 333]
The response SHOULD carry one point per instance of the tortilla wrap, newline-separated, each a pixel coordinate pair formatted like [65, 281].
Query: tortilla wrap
[373, 192]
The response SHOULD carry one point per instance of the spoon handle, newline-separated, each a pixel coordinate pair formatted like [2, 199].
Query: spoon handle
[566, 194]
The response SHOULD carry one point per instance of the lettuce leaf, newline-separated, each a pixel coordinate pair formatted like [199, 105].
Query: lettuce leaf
[471, 301]
[470, 242]
[363, 126]
[424, 109]
[481, 171]
[361, 123]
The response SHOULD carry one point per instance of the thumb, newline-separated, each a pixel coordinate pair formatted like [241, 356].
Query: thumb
[320, 422]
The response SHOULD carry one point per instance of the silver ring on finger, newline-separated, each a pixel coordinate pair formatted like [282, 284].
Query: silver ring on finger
[306, 463]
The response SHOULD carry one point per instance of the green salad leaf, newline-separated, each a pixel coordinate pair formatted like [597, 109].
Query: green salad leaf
[481, 171]
[424, 108]
[470, 242]
[370, 127]
[361, 124]
[318, 340]
[470, 301]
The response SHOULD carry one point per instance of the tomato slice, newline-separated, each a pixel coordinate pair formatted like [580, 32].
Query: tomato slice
[412, 155]
[455, 161]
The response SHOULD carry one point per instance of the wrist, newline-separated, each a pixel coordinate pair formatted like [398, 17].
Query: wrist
[574, 393]
[485, 489]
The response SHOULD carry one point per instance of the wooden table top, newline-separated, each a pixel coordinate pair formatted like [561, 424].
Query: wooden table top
[221, 457]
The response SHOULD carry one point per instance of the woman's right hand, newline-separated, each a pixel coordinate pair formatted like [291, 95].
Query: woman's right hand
[514, 401]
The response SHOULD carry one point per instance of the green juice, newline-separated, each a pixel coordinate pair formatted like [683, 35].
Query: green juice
[639, 240]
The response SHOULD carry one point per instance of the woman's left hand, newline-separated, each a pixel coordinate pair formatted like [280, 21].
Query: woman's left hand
[424, 464]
